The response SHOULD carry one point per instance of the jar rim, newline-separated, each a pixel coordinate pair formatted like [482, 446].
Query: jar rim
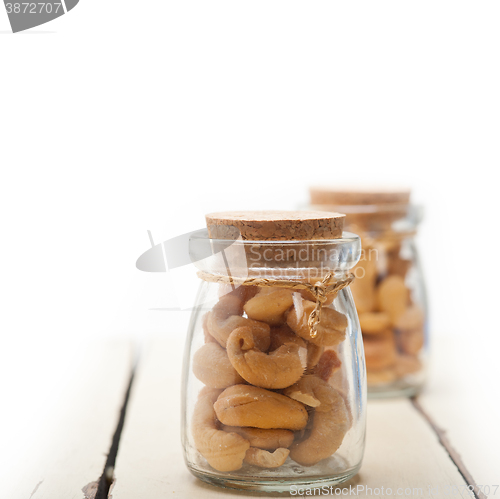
[347, 237]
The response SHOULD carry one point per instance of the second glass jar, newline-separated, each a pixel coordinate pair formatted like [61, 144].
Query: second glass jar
[389, 290]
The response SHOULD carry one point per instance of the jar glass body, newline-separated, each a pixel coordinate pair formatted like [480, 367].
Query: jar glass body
[390, 297]
[265, 408]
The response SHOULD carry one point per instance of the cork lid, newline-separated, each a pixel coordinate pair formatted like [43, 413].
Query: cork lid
[324, 195]
[275, 225]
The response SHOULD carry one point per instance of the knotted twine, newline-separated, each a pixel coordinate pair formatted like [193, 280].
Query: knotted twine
[320, 290]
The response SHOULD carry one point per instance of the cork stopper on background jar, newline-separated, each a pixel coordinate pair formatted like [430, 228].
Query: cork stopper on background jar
[389, 290]
[369, 208]
[337, 196]
[274, 379]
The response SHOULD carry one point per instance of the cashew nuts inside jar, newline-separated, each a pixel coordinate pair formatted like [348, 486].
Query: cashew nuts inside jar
[274, 376]
[389, 290]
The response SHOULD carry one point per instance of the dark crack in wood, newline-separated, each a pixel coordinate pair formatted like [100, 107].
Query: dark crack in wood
[452, 452]
[107, 475]
[36, 488]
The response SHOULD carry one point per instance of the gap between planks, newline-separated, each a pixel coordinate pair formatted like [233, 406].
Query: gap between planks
[454, 455]
[107, 475]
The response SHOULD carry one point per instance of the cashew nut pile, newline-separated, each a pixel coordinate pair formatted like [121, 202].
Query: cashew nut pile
[392, 324]
[330, 420]
[224, 451]
[267, 395]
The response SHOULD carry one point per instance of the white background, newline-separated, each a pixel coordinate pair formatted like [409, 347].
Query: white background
[126, 116]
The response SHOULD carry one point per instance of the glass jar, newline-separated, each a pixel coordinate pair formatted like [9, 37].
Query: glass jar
[389, 290]
[272, 397]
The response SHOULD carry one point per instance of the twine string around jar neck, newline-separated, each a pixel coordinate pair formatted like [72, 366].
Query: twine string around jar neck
[320, 290]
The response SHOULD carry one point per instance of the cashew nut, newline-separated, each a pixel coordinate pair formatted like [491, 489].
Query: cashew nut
[411, 342]
[411, 318]
[245, 405]
[244, 293]
[392, 296]
[306, 390]
[263, 439]
[330, 330]
[279, 369]
[212, 367]
[380, 350]
[281, 335]
[314, 353]
[226, 317]
[410, 325]
[206, 335]
[363, 287]
[340, 382]
[269, 305]
[330, 422]
[305, 397]
[223, 451]
[328, 363]
[374, 322]
[265, 459]
[230, 304]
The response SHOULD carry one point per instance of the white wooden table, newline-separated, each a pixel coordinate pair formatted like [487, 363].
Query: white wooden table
[437, 446]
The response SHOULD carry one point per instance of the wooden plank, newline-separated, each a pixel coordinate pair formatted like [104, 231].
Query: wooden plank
[73, 421]
[462, 399]
[402, 450]
[150, 460]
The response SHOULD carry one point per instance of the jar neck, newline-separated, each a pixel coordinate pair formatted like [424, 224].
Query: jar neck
[296, 260]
